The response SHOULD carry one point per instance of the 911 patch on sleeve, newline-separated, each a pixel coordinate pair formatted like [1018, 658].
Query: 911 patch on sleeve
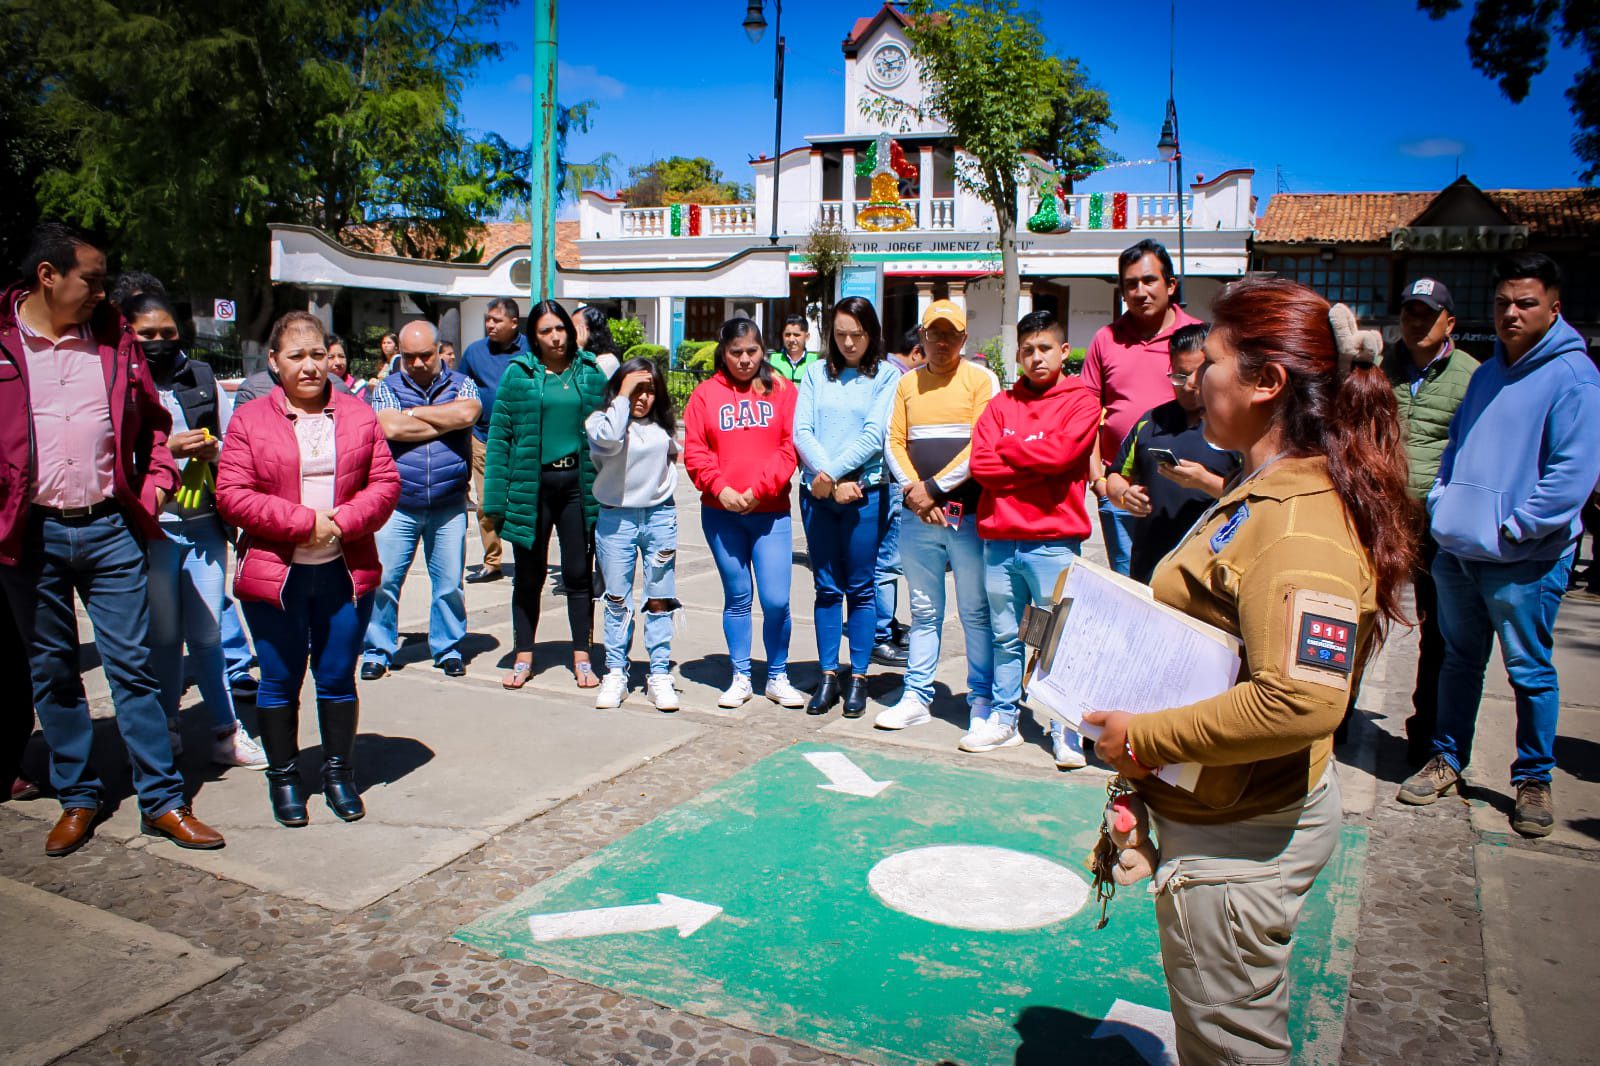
[1323, 629]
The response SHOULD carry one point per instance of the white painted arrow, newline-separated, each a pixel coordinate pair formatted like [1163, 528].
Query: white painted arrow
[686, 914]
[1151, 1032]
[844, 775]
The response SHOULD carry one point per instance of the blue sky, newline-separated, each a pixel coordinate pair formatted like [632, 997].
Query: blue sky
[1377, 98]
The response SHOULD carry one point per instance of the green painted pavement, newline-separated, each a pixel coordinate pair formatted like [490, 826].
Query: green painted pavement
[804, 950]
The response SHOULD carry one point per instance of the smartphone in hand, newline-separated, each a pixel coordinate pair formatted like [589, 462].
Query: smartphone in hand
[1163, 456]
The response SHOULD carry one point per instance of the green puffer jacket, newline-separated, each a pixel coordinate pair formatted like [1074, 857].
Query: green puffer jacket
[1426, 416]
[511, 466]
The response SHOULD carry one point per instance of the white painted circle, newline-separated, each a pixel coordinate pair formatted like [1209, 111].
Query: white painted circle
[971, 886]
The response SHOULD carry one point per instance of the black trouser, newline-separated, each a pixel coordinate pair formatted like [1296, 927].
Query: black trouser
[16, 696]
[561, 511]
[1425, 700]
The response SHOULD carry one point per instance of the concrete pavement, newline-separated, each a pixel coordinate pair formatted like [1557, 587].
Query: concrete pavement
[1469, 946]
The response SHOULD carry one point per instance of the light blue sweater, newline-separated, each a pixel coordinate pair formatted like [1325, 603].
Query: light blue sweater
[1523, 454]
[840, 426]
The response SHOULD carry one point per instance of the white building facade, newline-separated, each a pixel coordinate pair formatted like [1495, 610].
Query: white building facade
[683, 270]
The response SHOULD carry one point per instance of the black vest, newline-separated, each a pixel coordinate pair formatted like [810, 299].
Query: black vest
[195, 386]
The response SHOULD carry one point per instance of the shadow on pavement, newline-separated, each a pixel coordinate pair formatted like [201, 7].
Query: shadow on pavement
[1055, 1037]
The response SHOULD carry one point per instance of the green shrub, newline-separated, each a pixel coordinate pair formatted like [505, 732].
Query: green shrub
[702, 357]
[994, 357]
[1073, 364]
[645, 351]
[627, 332]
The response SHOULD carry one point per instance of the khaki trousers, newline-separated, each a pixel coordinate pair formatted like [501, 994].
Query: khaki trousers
[1227, 902]
[491, 537]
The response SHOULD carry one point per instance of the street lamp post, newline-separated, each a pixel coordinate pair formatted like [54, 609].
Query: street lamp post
[755, 23]
[1168, 145]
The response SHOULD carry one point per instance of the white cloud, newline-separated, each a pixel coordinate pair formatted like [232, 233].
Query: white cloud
[1433, 147]
[587, 82]
[522, 84]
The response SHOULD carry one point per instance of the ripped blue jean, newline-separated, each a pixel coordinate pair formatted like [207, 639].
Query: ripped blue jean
[623, 536]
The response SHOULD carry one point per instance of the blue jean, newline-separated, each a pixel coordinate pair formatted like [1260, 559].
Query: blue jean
[842, 540]
[319, 614]
[924, 551]
[188, 573]
[622, 537]
[1116, 525]
[235, 644]
[1516, 602]
[443, 533]
[889, 570]
[762, 543]
[102, 561]
[1017, 573]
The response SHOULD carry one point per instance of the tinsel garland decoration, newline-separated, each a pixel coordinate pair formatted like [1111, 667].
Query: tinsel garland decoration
[1119, 210]
[1097, 210]
[694, 220]
[677, 220]
[899, 163]
[867, 162]
[1051, 216]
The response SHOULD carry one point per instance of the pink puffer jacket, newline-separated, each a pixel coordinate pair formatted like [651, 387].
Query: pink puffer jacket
[258, 490]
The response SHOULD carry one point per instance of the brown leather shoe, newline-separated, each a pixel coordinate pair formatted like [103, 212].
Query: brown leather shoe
[182, 828]
[72, 831]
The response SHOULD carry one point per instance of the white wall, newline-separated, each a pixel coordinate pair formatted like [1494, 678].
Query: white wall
[858, 85]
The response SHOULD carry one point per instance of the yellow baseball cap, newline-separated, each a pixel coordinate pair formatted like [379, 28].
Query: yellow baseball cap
[946, 310]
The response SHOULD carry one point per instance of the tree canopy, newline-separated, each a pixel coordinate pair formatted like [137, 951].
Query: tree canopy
[186, 130]
[1509, 41]
[679, 180]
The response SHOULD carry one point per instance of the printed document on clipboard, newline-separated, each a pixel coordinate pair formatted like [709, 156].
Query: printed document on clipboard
[1117, 649]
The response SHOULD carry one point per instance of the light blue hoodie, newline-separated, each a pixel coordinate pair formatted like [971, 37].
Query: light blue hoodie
[1523, 455]
[840, 425]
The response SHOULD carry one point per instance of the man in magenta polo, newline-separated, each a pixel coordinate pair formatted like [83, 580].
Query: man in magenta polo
[1127, 366]
[84, 471]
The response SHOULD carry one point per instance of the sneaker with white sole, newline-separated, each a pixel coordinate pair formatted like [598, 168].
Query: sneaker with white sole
[663, 693]
[612, 691]
[238, 748]
[991, 734]
[737, 693]
[1067, 747]
[782, 693]
[908, 712]
[978, 712]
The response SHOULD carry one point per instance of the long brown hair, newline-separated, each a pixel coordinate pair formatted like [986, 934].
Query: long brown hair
[1353, 422]
[766, 380]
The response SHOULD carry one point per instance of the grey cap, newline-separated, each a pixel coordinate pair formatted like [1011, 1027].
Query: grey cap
[1429, 291]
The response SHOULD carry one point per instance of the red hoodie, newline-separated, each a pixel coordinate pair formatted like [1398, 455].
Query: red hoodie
[1030, 452]
[734, 437]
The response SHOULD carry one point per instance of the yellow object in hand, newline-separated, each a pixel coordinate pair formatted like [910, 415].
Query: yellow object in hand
[197, 478]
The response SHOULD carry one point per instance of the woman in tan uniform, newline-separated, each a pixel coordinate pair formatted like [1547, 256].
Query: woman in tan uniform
[1303, 558]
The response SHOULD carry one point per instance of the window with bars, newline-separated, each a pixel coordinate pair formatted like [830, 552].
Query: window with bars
[1362, 281]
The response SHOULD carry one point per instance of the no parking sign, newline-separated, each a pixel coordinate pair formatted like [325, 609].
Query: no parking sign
[224, 310]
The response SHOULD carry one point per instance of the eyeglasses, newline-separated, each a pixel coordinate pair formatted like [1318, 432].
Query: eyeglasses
[943, 336]
[1179, 380]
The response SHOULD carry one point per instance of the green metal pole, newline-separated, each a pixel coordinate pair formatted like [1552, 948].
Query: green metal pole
[544, 199]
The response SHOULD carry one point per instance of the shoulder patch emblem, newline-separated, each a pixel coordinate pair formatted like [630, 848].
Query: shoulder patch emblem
[1225, 534]
[1322, 629]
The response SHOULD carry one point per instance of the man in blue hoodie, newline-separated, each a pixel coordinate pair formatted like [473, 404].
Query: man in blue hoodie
[1520, 462]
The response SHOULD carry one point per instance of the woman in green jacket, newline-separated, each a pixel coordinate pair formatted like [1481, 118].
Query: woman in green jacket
[538, 479]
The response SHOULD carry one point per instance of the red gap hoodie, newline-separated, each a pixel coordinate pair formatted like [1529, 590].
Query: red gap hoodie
[735, 437]
[1030, 452]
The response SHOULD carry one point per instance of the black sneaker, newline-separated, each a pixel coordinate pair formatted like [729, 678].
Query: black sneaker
[1535, 813]
[371, 671]
[453, 666]
[887, 654]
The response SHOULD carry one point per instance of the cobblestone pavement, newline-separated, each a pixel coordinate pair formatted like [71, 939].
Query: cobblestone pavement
[1420, 991]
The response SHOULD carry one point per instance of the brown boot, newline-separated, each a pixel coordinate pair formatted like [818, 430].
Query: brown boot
[180, 826]
[1535, 812]
[71, 832]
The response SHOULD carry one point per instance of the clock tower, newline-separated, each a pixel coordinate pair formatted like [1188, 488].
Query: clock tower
[878, 62]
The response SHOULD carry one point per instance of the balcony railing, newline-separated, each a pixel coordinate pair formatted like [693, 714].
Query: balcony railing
[941, 213]
[1145, 210]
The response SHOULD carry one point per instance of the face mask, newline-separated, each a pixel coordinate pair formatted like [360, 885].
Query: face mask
[162, 354]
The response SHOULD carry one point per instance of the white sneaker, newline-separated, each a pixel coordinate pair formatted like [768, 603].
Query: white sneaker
[663, 693]
[1068, 750]
[612, 691]
[782, 693]
[909, 711]
[736, 693]
[978, 712]
[238, 748]
[991, 734]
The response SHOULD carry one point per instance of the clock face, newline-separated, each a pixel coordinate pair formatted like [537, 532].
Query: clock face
[890, 65]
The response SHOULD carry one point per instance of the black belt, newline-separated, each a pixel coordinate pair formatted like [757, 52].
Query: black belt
[99, 510]
[566, 462]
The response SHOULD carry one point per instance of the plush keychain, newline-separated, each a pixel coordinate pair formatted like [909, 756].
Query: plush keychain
[1124, 854]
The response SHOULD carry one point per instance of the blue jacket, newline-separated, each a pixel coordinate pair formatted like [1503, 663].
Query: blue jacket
[1523, 454]
[486, 367]
[433, 473]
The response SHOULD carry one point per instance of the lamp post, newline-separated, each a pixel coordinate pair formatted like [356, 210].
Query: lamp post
[1168, 146]
[755, 24]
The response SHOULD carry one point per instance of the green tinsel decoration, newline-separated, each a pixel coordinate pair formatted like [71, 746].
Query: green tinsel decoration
[1097, 210]
[677, 220]
[1047, 219]
[868, 162]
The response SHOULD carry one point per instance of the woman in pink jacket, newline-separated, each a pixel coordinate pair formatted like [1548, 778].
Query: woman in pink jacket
[307, 477]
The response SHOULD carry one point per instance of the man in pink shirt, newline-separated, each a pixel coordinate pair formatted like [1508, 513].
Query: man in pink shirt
[1127, 366]
[84, 472]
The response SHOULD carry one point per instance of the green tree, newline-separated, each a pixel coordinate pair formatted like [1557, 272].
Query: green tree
[1509, 41]
[1008, 101]
[678, 180]
[192, 128]
[826, 252]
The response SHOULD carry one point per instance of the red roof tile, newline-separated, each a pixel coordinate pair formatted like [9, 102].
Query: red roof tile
[495, 238]
[1369, 217]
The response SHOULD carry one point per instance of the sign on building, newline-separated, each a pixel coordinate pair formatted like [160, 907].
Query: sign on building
[224, 310]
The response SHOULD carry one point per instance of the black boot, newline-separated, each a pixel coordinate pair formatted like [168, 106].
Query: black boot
[855, 697]
[280, 736]
[338, 722]
[827, 694]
